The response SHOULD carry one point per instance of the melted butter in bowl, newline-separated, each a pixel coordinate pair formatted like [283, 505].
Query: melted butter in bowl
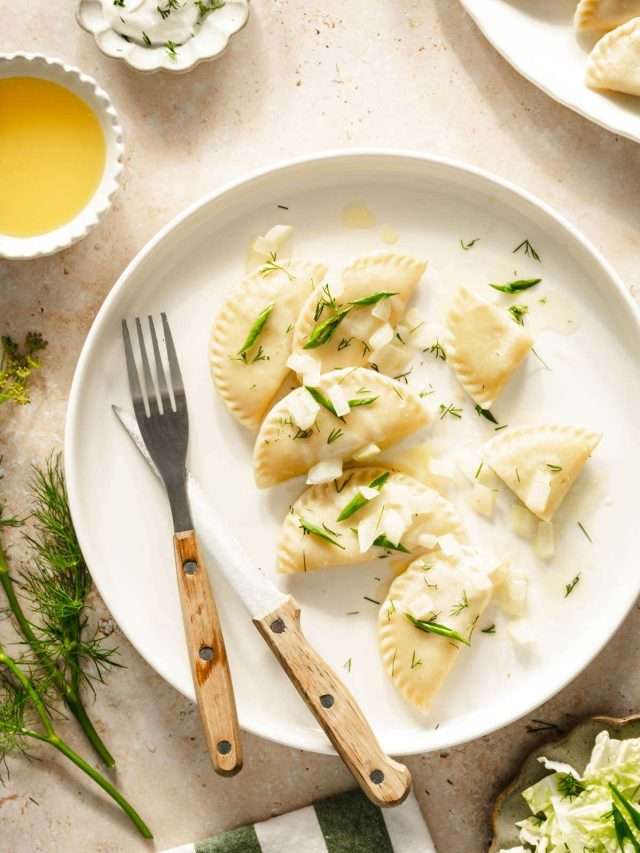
[52, 155]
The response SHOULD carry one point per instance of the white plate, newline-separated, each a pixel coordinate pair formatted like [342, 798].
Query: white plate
[122, 515]
[537, 37]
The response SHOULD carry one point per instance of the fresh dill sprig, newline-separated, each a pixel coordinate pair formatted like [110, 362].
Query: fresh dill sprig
[459, 606]
[344, 343]
[165, 11]
[119, 3]
[334, 435]
[452, 410]
[347, 665]
[327, 300]
[205, 7]
[415, 661]
[528, 250]
[24, 716]
[146, 40]
[271, 265]
[17, 365]
[172, 48]
[571, 585]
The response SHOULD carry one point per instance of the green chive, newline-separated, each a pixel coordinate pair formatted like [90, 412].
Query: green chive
[255, 330]
[431, 627]
[308, 527]
[516, 286]
[358, 501]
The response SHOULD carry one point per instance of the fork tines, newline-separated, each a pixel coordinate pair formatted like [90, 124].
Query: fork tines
[155, 398]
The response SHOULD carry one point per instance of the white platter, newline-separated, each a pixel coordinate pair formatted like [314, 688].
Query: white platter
[537, 37]
[122, 516]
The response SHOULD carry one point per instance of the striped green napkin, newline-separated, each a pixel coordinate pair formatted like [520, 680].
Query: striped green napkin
[347, 823]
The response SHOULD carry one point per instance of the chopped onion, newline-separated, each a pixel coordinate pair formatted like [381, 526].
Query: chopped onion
[324, 472]
[368, 493]
[366, 452]
[523, 523]
[303, 409]
[539, 492]
[449, 545]
[309, 367]
[520, 632]
[339, 400]
[382, 310]
[427, 540]
[483, 500]
[368, 532]
[422, 607]
[413, 318]
[264, 246]
[544, 544]
[395, 525]
[391, 359]
[442, 468]
[381, 337]
[514, 593]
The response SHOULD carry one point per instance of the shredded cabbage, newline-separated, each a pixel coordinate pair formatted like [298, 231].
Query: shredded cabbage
[573, 813]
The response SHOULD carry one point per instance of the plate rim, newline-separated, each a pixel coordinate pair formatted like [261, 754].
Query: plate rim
[518, 66]
[309, 739]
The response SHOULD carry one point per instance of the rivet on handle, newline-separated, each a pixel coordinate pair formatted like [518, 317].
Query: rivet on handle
[377, 777]
[278, 626]
[206, 653]
[224, 747]
[190, 567]
[327, 700]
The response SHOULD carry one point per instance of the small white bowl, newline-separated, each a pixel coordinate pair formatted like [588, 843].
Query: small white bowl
[210, 42]
[36, 65]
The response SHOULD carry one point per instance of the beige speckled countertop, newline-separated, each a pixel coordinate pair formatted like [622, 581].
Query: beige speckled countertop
[301, 77]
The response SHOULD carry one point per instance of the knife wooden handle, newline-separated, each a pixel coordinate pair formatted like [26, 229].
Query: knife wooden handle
[384, 781]
[208, 657]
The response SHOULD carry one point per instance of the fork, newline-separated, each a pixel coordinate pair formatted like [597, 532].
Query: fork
[163, 421]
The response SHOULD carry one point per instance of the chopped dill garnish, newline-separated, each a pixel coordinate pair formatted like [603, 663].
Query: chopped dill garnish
[172, 48]
[541, 360]
[146, 40]
[403, 376]
[303, 433]
[502, 426]
[163, 12]
[554, 468]
[452, 410]
[372, 600]
[571, 585]
[518, 312]
[437, 350]
[415, 661]
[313, 529]
[205, 7]
[460, 605]
[477, 474]
[582, 527]
[347, 665]
[466, 246]
[344, 343]
[120, 3]
[334, 435]
[490, 629]
[485, 413]
[528, 250]
[344, 483]
[16, 367]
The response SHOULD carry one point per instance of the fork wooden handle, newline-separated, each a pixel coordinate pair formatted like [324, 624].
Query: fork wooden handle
[208, 657]
[386, 782]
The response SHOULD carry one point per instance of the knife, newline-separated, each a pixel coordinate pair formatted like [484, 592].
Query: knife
[277, 617]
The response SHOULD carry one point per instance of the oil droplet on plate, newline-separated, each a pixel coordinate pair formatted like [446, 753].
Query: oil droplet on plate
[357, 215]
[388, 234]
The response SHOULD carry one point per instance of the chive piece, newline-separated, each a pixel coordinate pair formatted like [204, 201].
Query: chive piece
[431, 627]
[582, 527]
[373, 298]
[358, 501]
[383, 542]
[516, 286]
[460, 605]
[322, 332]
[361, 401]
[319, 397]
[308, 527]
[485, 413]
[256, 329]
